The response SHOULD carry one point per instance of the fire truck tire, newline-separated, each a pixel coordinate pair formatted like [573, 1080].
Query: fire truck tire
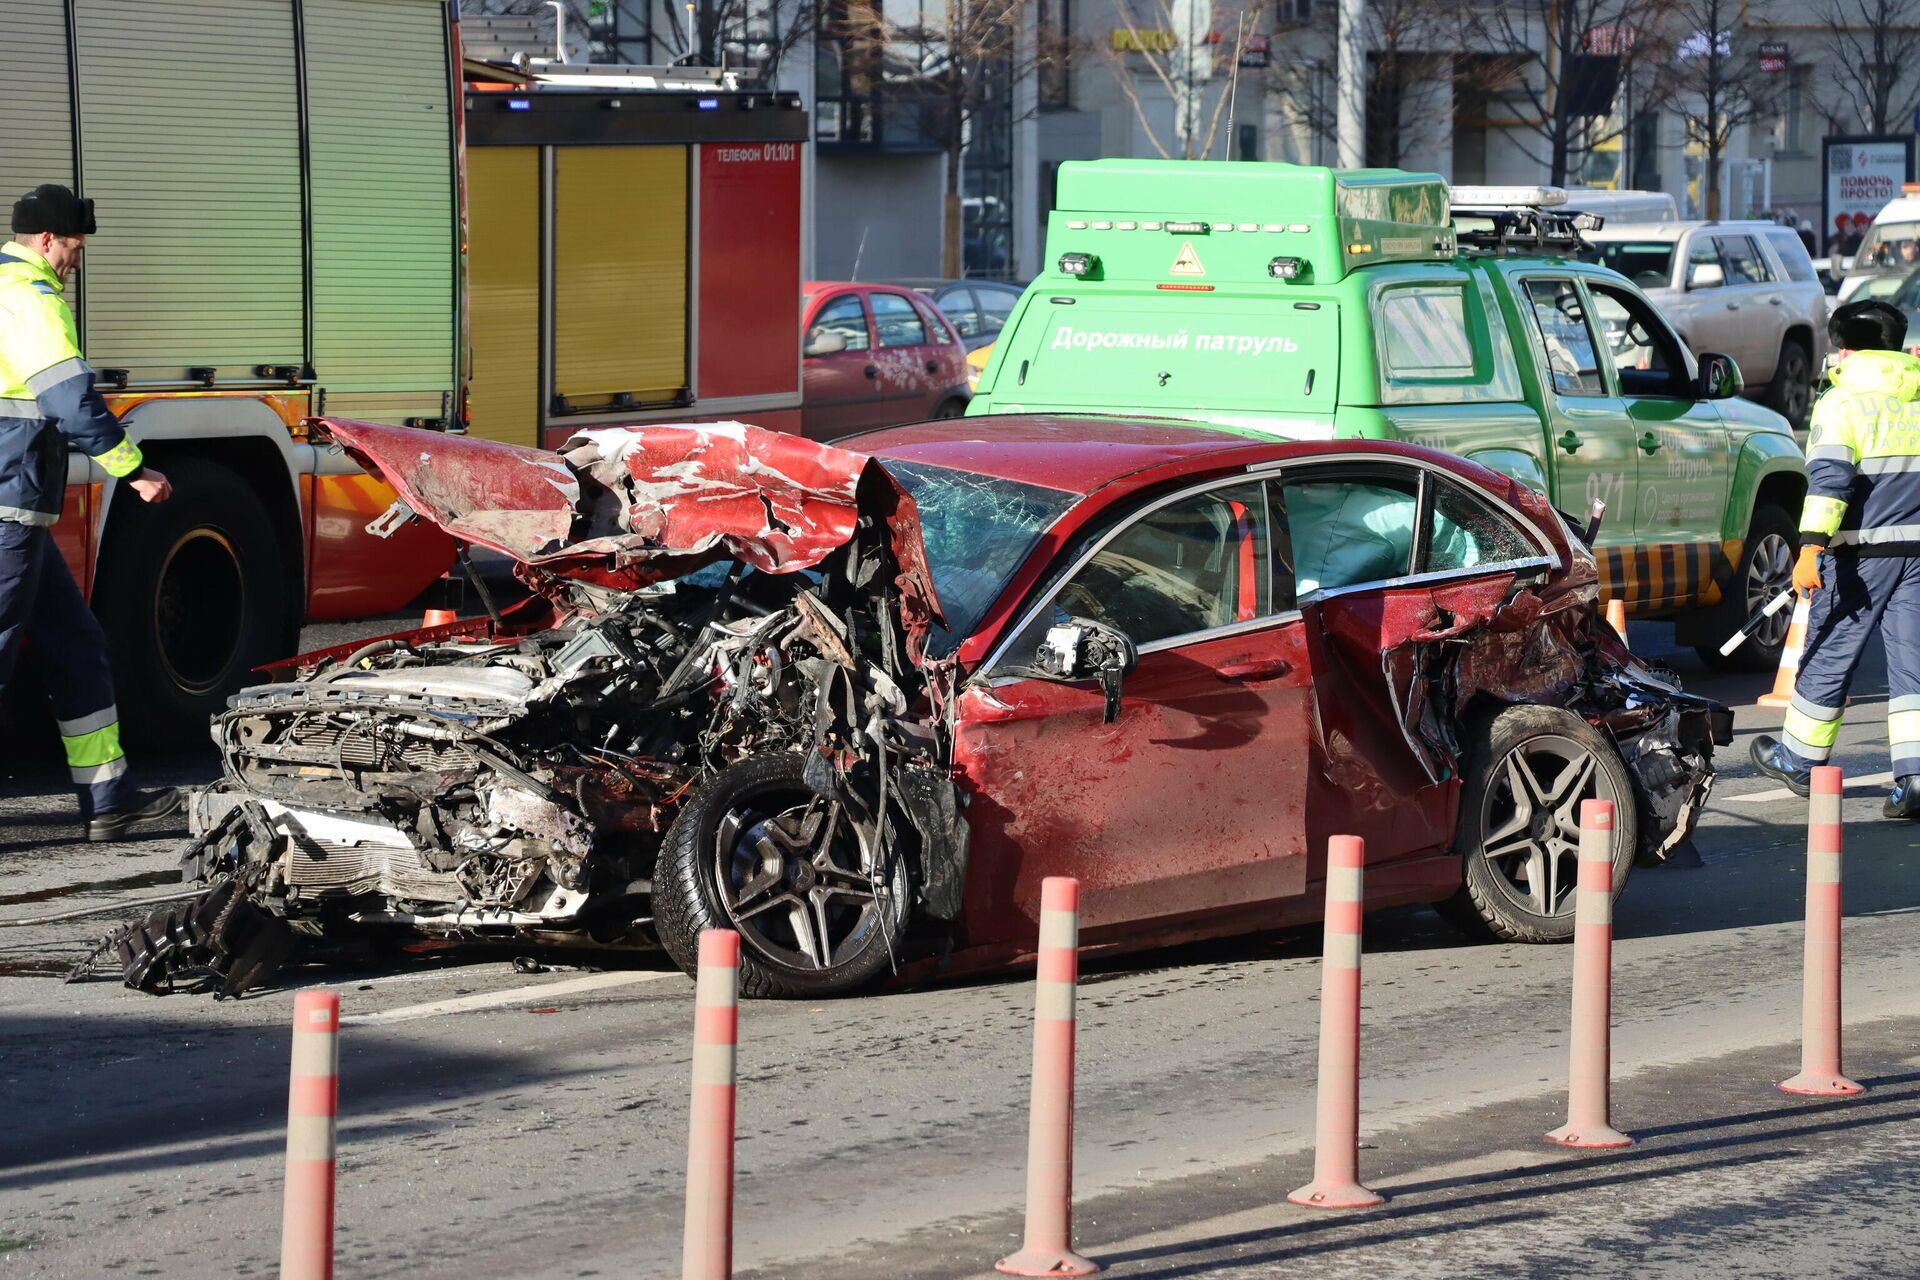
[193, 596]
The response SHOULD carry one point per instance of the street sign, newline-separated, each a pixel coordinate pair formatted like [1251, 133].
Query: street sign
[1773, 58]
[1143, 40]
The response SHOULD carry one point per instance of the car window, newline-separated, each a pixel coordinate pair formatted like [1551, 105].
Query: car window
[996, 308]
[1468, 533]
[977, 530]
[1648, 263]
[1346, 530]
[895, 320]
[1889, 244]
[1703, 265]
[1561, 322]
[937, 324]
[1742, 260]
[1198, 563]
[960, 306]
[1646, 356]
[1793, 256]
[844, 316]
[1424, 332]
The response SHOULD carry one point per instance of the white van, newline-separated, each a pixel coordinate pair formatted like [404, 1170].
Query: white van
[1889, 253]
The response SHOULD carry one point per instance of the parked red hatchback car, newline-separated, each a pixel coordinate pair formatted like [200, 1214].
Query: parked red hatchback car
[857, 705]
[874, 355]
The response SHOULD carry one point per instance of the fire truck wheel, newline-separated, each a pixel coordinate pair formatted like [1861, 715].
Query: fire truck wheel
[193, 596]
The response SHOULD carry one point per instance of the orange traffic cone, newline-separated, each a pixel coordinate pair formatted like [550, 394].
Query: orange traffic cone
[1617, 617]
[1789, 658]
[439, 618]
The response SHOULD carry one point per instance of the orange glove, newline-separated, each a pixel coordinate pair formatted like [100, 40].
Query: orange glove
[1806, 570]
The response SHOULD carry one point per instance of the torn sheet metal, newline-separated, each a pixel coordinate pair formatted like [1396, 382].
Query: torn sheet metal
[624, 507]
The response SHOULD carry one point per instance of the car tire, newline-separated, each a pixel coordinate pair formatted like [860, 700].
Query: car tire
[749, 816]
[951, 407]
[1565, 758]
[1791, 393]
[1764, 570]
[167, 573]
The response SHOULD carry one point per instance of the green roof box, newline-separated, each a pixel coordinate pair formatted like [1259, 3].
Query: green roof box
[1234, 224]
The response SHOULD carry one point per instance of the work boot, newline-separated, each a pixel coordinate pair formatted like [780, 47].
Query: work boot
[144, 807]
[1771, 757]
[1904, 802]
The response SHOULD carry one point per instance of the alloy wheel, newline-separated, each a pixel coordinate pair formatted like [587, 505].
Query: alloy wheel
[798, 879]
[1769, 572]
[1532, 819]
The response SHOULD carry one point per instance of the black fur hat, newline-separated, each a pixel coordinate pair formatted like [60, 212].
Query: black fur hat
[52, 207]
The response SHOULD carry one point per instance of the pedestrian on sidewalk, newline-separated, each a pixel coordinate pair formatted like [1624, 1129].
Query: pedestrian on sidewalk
[1859, 552]
[48, 402]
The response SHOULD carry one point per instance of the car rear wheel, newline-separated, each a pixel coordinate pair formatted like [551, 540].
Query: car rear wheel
[952, 407]
[1791, 393]
[820, 906]
[1764, 570]
[1527, 770]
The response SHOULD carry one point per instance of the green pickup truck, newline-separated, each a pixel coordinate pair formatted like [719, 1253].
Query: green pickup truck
[1309, 303]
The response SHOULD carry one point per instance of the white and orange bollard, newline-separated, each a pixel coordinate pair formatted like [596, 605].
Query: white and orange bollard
[313, 1100]
[1782, 692]
[1336, 1156]
[1617, 617]
[1048, 1247]
[1588, 1123]
[1820, 1072]
[706, 1251]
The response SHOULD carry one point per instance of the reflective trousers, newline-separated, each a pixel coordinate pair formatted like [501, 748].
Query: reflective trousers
[1858, 596]
[41, 605]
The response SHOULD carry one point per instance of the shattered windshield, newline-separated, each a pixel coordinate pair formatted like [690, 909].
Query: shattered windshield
[977, 531]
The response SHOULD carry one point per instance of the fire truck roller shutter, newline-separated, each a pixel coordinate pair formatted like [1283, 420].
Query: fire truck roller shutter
[36, 121]
[620, 275]
[383, 212]
[190, 128]
[503, 292]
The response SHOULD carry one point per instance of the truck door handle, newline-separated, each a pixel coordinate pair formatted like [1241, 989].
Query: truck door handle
[873, 371]
[1649, 443]
[1774, 301]
[1733, 306]
[1570, 442]
[1255, 669]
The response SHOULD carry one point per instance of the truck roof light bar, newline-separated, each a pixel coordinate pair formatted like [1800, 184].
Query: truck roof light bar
[1508, 197]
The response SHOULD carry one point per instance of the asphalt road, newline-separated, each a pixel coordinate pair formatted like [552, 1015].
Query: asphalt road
[498, 1123]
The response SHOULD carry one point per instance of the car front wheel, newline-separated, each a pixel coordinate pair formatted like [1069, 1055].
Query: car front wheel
[1791, 394]
[820, 905]
[1527, 769]
[1764, 570]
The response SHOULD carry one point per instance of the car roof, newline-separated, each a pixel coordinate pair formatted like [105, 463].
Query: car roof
[811, 287]
[1080, 454]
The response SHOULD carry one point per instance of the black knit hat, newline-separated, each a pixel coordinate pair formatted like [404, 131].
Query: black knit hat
[52, 207]
[1871, 325]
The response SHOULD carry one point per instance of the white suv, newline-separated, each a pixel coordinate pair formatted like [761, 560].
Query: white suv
[1744, 288]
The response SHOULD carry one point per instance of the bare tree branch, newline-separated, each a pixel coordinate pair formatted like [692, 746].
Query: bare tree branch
[1875, 67]
[1716, 84]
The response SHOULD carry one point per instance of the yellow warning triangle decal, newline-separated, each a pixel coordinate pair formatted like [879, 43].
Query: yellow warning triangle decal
[1188, 263]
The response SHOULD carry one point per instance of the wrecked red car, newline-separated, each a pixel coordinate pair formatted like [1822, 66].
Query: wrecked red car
[857, 704]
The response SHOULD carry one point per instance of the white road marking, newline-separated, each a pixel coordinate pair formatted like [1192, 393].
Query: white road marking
[512, 995]
[1781, 793]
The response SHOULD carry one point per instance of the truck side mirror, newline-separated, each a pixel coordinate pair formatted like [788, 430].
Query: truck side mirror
[1708, 275]
[1081, 649]
[825, 342]
[1719, 377]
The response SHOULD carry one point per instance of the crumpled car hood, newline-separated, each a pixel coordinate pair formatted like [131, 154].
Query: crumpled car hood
[624, 507]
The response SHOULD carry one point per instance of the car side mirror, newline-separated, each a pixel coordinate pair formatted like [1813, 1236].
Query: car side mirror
[825, 342]
[1706, 276]
[1081, 649]
[1719, 377]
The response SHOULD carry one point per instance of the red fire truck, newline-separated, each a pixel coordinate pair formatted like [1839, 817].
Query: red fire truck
[284, 234]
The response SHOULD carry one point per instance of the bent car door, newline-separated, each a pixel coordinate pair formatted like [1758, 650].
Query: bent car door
[1397, 564]
[1193, 800]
